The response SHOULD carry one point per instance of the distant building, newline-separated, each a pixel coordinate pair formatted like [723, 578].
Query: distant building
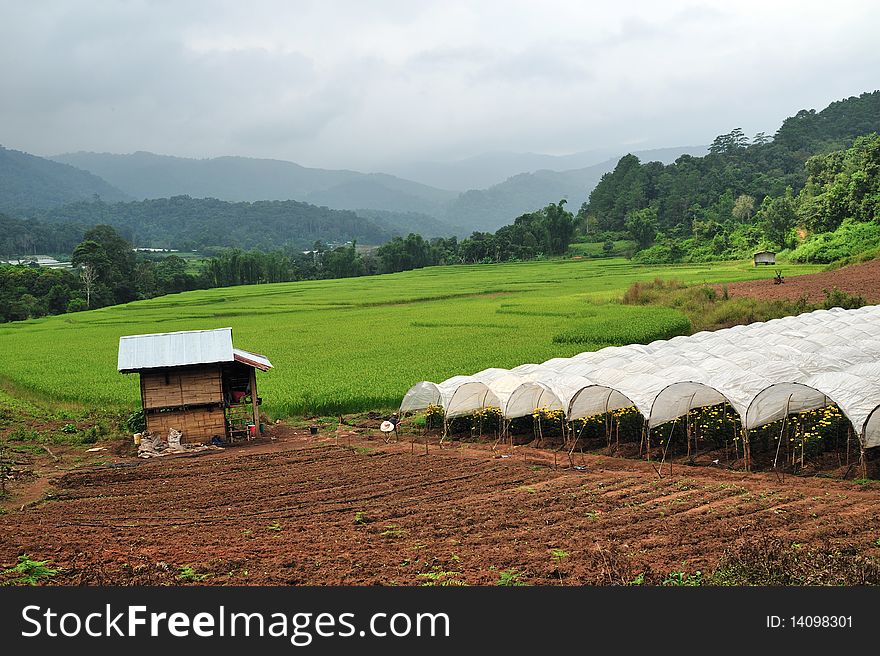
[196, 382]
[765, 257]
[38, 260]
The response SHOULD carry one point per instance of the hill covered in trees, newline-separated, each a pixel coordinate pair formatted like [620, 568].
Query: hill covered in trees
[28, 181]
[194, 223]
[148, 176]
[746, 193]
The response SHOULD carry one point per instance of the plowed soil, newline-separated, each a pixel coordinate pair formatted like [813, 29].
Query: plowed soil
[354, 510]
[859, 279]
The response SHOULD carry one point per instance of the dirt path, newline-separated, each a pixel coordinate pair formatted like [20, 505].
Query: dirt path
[304, 510]
[858, 279]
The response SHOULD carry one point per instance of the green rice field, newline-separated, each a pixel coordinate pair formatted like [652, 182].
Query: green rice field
[358, 344]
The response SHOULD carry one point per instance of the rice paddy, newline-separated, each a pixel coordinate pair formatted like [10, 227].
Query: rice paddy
[358, 344]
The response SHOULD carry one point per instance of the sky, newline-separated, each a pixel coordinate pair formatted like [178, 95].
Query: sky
[371, 84]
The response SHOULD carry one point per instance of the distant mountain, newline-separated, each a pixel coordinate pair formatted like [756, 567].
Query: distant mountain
[489, 209]
[488, 169]
[28, 181]
[382, 192]
[146, 175]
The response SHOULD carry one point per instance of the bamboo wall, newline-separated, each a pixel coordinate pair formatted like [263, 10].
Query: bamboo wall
[196, 424]
[171, 388]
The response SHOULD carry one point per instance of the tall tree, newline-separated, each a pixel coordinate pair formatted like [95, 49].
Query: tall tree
[743, 208]
[642, 225]
[777, 217]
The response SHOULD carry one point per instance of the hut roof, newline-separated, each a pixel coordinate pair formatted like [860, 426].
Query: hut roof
[188, 347]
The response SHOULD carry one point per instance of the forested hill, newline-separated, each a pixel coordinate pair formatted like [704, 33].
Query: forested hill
[28, 181]
[145, 175]
[487, 209]
[191, 223]
[716, 197]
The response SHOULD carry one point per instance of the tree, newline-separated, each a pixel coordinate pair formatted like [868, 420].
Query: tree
[343, 262]
[171, 275]
[777, 217]
[642, 225]
[726, 144]
[743, 208]
[559, 225]
[89, 276]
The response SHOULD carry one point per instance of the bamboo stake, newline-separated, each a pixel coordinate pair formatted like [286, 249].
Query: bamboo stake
[862, 461]
[848, 439]
[687, 433]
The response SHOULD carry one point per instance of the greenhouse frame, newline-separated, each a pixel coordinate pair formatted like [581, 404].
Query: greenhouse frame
[765, 371]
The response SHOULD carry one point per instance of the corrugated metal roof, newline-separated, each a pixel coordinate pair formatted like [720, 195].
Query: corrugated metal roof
[175, 349]
[182, 348]
[261, 362]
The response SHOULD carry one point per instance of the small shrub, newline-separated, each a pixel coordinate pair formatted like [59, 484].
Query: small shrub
[438, 577]
[770, 560]
[841, 299]
[393, 531]
[510, 577]
[684, 579]
[559, 554]
[187, 573]
[136, 422]
[29, 572]
[90, 436]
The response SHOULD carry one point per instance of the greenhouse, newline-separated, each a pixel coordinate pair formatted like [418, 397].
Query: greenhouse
[765, 371]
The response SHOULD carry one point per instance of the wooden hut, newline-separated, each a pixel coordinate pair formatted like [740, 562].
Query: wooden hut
[195, 381]
[765, 257]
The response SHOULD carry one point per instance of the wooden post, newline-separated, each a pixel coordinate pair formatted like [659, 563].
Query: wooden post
[862, 461]
[253, 375]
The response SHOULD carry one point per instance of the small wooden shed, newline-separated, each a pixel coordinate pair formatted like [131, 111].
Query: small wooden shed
[195, 381]
[765, 257]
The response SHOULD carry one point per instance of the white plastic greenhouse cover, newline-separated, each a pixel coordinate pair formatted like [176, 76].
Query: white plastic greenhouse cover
[764, 370]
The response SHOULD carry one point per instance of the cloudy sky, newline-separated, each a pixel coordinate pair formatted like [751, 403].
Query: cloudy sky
[364, 84]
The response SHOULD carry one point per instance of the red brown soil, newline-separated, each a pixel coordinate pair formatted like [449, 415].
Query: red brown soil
[858, 279]
[287, 512]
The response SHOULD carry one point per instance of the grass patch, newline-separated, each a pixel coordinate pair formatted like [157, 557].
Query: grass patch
[316, 325]
[706, 307]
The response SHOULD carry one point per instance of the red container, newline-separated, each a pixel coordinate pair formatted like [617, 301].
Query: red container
[252, 430]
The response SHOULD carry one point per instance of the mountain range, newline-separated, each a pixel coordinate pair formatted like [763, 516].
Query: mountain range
[143, 175]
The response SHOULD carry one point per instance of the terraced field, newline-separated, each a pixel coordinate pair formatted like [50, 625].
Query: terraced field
[358, 344]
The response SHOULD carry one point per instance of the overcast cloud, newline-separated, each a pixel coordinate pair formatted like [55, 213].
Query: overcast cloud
[366, 84]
